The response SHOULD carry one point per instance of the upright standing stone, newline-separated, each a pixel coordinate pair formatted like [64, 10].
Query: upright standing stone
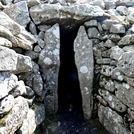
[85, 65]
[49, 62]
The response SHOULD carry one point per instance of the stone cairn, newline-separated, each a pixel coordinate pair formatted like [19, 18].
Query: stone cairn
[29, 60]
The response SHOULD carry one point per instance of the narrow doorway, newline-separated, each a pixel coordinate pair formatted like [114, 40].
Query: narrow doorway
[69, 95]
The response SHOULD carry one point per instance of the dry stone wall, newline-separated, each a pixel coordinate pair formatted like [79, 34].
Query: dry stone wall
[29, 60]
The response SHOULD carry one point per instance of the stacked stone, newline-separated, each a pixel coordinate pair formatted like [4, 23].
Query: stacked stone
[19, 112]
[114, 66]
[30, 60]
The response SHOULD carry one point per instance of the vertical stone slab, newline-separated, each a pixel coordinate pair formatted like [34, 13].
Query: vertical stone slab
[49, 61]
[85, 66]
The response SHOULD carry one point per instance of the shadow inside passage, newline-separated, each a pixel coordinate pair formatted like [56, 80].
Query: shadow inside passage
[69, 95]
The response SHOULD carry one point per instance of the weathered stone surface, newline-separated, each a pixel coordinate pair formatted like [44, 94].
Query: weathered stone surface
[49, 62]
[107, 70]
[25, 39]
[130, 16]
[122, 10]
[8, 82]
[113, 102]
[109, 44]
[101, 100]
[6, 2]
[19, 13]
[117, 75]
[125, 94]
[6, 104]
[112, 121]
[110, 4]
[5, 42]
[126, 2]
[44, 28]
[20, 89]
[32, 28]
[93, 33]
[39, 111]
[91, 23]
[38, 84]
[55, 13]
[117, 28]
[127, 40]
[128, 48]
[85, 65]
[116, 53]
[10, 24]
[29, 124]
[107, 83]
[126, 63]
[103, 61]
[32, 3]
[32, 54]
[15, 117]
[4, 32]
[108, 23]
[132, 127]
[11, 61]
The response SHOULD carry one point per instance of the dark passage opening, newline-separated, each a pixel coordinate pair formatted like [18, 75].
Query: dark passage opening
[69, 95]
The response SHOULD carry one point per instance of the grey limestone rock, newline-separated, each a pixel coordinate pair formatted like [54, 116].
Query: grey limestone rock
[11, 61]
[10, 24]
[29, 124]
[117, 28]
[50, 62]
[15, 117]
[32, 54]
[122, 10]
[107, 83]
[48, 13]
[32, 28]
[128, 48]
[85, 65]
[127, 40]
[5, 42]
[6, 104]
[107, 70]
[93, 33]
[113, 102]
[91, 23]
[130, 16]
[19, 13]
[112, 121]
[109, 43]
[126, 63]
[32, 3]
[103, 61]
[116, 52]
[8, 82]
[125, 94]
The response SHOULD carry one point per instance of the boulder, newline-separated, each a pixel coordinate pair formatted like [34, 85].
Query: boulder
[85, 65]
[112, 121]
[117, 28]
[13, 62]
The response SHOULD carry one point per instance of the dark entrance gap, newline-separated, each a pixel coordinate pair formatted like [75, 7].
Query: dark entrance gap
[69, 95]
